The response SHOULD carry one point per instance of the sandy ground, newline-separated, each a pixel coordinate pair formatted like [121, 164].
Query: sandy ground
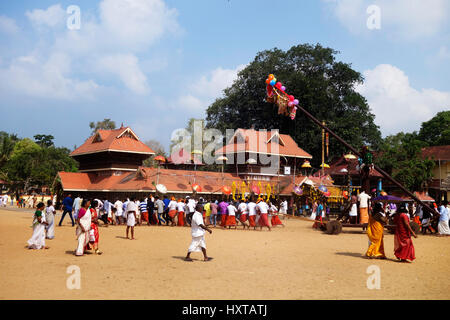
[295, 262]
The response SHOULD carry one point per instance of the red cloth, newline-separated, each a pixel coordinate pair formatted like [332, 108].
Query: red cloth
[243, 217]
[251, 220]
[264, 220]
[181, 218]
[403, 246]
[231, 221]
[223, 220]
[276, 221]
[145, 216]
[94, 226]
[172, 213]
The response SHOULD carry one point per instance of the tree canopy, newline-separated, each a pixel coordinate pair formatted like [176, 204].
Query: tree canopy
[436, 132]
[106, 124]
[324, 86]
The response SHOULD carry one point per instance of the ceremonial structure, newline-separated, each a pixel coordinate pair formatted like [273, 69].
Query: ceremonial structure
[110, 167]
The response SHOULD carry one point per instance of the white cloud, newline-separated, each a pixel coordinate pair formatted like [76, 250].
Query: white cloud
[396, 105]
[408, 19]
[51, 17]
[137, 23]
[208, 88]
[126, 66]
[29, 75]
[8, 25]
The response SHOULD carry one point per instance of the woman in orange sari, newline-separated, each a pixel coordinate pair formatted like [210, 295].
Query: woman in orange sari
[375, 229]
[403, 246]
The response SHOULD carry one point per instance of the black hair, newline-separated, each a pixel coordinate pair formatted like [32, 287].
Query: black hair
[40, 205]
[94, 203]
[199, 207]
[49, 203]
[83, 203]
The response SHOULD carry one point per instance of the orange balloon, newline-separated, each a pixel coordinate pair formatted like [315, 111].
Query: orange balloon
[267, 81]
[226, 190]
[271, 76]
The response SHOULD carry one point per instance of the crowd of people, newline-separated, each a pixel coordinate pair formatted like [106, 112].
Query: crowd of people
[87, 214]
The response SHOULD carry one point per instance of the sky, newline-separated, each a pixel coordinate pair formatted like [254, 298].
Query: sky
[153, 64]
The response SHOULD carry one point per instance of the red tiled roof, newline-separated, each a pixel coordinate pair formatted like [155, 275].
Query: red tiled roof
[422, 196]
[258, 142]
[176, 181]
[120, 140]
[437, 152]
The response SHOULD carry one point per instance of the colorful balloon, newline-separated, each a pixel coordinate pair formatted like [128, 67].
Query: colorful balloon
[278, 85]
[290, 103]
[271, 76]
[295, 102]
[291, 98]
[283, 88]
[272, 82]
[267, 81]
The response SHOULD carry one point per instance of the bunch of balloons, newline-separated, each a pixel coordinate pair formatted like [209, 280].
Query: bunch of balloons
[272, 83]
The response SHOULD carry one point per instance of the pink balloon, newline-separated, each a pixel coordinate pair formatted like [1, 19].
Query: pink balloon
[290, 103]
[283, 88]
[295, 102]
[291, 98]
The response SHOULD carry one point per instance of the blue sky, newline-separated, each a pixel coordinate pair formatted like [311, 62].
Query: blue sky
[153, 64]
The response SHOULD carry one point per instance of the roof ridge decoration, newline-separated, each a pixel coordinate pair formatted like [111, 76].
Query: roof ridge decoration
[277, 133]
[128, 133]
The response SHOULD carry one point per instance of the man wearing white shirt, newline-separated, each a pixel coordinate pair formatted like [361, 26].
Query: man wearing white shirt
[119, 211]
[231, 218]
[263, 208]
[363, 199]
[76, 206]
[198, 234]
[131, 215]
[251, 206]
[243, 210]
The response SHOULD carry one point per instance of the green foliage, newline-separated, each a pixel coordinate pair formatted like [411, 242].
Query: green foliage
[44, 140]
[324, 87]
[436, 132]
[106, 124]
[7, 143]
[31, 165]
[400, 157]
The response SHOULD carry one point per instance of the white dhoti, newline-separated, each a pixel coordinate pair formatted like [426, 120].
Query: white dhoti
[313, 216]
[50, 228]
[197, 244]
[443, 227]
[131, 221]
[37, 240]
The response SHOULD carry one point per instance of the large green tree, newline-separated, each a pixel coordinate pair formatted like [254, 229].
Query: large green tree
[323, 85]
[436, 132]
[106, 124]
[400, 156]
[7, 143]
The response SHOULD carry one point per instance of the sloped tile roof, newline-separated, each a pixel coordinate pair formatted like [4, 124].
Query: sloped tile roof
[121, 140]
[437, 152]
[263, 142]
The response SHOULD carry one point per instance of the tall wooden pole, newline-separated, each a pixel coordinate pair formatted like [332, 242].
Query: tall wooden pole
[323, 151]
[387, 176]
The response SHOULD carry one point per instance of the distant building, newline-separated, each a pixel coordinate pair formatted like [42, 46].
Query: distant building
[439, 187]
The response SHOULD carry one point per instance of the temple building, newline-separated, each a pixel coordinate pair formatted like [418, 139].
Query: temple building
[110, 167]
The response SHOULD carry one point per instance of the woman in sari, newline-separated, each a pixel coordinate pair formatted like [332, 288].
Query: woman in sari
[375, 229]
[403, 246]
[83, 226]
[50, 219]
[93, 232]
[37, 240]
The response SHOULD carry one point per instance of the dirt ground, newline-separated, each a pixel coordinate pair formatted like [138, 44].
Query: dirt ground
[295, 262]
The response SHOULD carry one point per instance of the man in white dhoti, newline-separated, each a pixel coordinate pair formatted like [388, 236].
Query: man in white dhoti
[83, 226]
[37, 240]
[131, 212]
[198, 234]
[50, 219]
[443, 227]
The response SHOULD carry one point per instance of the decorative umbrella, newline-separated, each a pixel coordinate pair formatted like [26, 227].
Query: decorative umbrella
[298, 191]
[196, 187]
[344, 170]
[223, 159]
[251, 161]
[324, 165]
[226, 190]
[160, 159]
[350, 156]
[306, 164]
[161, 188]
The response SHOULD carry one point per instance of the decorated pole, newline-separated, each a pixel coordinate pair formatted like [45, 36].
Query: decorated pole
[288, 105]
